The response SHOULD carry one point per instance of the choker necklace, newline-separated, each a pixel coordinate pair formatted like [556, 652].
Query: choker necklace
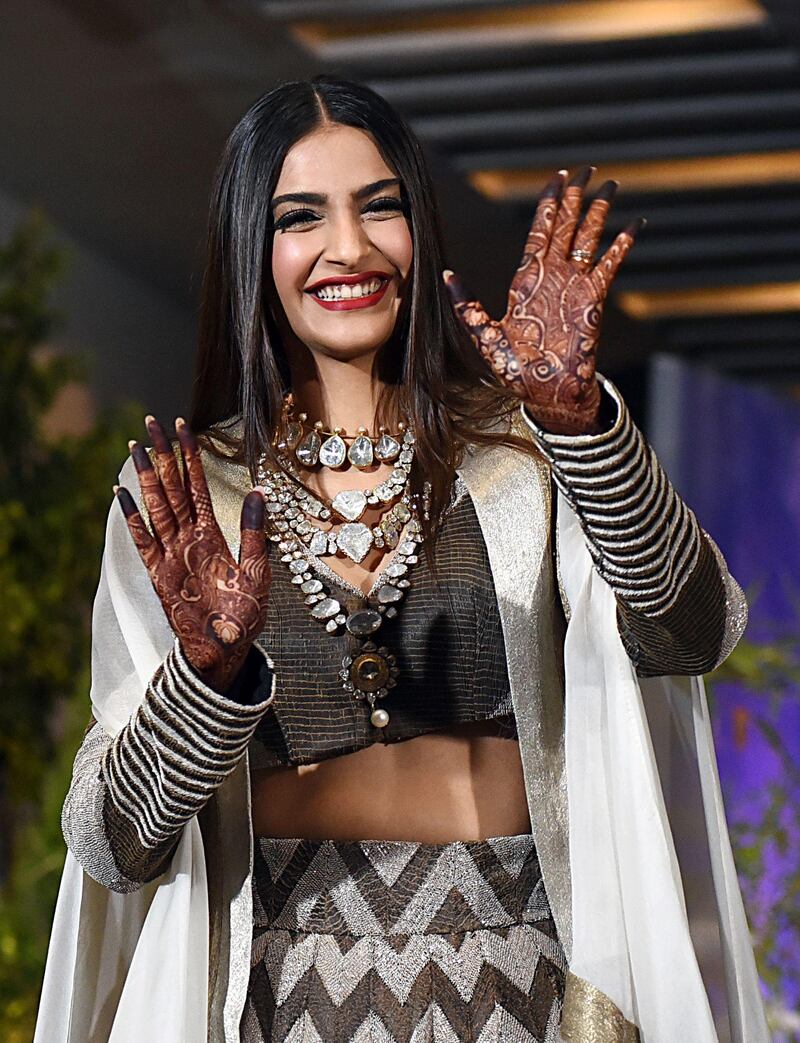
[329, 448]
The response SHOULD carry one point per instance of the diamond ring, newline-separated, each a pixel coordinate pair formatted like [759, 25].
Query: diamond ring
[582, 255]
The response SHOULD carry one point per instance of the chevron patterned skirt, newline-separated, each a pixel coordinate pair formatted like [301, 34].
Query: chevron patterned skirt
[398, 942]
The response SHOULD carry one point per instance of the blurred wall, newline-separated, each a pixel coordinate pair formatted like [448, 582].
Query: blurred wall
[139, 342]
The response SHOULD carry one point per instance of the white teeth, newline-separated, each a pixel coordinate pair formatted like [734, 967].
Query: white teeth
[346, 291]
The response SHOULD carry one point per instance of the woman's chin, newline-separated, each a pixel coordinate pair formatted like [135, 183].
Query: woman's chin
[349, 343]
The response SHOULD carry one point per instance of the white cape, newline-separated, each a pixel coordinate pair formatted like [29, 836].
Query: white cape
[125, 968]
[631, 936]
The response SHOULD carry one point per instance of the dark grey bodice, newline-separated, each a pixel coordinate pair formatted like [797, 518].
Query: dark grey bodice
[447, 639]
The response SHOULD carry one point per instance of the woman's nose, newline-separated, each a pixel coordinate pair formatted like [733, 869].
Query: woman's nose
[347, 243]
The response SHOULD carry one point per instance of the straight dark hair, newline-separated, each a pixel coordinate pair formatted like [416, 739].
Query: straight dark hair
[433, 372]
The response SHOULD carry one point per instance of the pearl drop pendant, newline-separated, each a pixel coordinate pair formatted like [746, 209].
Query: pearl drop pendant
[379, 718]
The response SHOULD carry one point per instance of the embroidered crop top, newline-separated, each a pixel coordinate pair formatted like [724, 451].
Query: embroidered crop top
[447, 638]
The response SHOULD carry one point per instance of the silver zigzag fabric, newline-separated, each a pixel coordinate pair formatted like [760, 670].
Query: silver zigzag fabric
[399, 942]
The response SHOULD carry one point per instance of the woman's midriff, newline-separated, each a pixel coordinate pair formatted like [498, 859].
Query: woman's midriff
[465, 784]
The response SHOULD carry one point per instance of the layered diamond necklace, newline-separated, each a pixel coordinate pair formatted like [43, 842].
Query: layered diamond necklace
[368, 670]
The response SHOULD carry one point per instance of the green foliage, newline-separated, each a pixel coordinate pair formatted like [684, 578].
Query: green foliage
[54, 498]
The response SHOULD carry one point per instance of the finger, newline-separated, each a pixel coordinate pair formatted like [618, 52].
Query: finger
[544, 219]
[148, 548]
[469, 310]
[590, 231]
[609, 263]
[194, 476]
[253, 547]
[568, 212]
[168, 470]
[153, 497]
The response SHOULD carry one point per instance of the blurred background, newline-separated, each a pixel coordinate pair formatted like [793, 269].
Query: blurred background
[112, 117]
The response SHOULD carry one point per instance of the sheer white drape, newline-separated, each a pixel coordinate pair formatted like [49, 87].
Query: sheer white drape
[123, 968]
[631, 934]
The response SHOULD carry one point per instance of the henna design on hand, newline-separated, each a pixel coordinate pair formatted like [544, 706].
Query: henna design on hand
[215, 606]
[544, 348]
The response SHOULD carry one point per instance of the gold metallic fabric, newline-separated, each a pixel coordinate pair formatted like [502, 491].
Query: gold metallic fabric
[589, 1016]
[511, 492]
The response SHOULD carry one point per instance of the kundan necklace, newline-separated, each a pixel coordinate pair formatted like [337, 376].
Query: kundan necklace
[369, 670]
[328, 448]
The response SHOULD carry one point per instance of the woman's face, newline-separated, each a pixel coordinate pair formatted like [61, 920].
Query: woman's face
[342, 249]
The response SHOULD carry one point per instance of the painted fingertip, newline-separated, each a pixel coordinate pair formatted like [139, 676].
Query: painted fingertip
[563, 173]
[131, 444]
[607, 190]
[252, 511]
[179, 422]
[447, 274]
[115, 488]
[141, 458]
[582, 177]
[149, 419]
[126, 502]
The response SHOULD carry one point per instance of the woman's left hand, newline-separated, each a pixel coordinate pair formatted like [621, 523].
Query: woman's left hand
[544, 347]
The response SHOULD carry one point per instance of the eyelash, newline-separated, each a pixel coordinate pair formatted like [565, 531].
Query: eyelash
[304, 216]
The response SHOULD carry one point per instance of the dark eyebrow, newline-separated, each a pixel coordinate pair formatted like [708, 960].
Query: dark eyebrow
[300, 197]
[377, 186]
[317, 199]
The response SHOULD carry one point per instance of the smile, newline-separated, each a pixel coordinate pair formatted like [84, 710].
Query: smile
[346, 296]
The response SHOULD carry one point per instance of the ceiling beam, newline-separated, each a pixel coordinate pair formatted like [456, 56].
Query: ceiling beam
[669, 213]
[710, 331]
[679, 74]
[725, 247]
[547, 158]
[289, 10]
[621, 118]
[724, 274]
[785, 18]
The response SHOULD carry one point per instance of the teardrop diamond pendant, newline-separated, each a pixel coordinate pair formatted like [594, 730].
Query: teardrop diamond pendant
[361, 453]
[387, 449]
[307, 451]
[333, 451]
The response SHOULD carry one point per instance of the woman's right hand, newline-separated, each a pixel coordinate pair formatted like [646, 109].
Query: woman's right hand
[216, 606]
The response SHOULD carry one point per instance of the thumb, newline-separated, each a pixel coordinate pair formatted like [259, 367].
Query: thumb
[468, 308]
[254, 539]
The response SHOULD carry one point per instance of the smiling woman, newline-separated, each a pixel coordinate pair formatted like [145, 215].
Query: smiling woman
[332, 769]
[347, 249]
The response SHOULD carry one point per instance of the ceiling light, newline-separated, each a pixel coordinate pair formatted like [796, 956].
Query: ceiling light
[717, 300]
[584, 21]
[661, 175]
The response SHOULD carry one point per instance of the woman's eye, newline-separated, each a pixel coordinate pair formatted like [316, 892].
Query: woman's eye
[386, 205]
[295, 218]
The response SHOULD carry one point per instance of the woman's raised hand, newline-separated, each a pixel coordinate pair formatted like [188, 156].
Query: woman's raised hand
[544, 347]
[216, 606]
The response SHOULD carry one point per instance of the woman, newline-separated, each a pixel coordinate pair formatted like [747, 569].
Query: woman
[325, 796]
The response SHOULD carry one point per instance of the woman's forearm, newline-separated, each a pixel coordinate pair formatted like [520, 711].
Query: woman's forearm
[679, 610]
[132, 794]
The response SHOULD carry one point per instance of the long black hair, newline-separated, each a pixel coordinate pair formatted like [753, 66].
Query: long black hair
[436, 375]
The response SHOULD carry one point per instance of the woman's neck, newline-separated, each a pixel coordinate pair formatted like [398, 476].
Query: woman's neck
[341, 393]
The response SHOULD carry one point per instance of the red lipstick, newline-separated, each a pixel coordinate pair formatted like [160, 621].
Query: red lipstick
[350, 280]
